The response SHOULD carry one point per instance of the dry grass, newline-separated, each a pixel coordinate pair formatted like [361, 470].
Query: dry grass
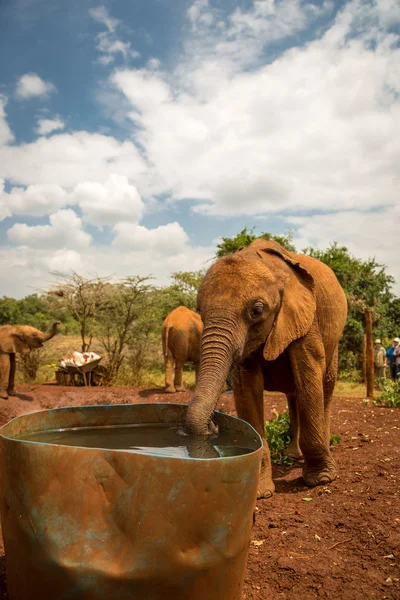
[352, 390]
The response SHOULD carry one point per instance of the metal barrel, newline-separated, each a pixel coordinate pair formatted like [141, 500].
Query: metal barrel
[95, 524]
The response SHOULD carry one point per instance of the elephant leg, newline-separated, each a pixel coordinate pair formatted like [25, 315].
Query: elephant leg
[293, 449]
[308, 366]
[4, 374]
[169, 363]
[248, 390]
[329, 386]
[178, 375]
[11, 377]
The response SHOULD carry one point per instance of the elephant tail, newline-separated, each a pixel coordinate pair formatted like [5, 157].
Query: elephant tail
[165, 340]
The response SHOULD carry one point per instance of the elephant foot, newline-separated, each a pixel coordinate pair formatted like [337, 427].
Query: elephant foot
[320, 476]
[180, 388]
[266, 487]
[170, 389]
[11, 392]
[3, 394]
[293, 451]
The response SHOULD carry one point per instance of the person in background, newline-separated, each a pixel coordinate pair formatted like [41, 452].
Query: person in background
[379, 360]
[397, 355]
[392, 356]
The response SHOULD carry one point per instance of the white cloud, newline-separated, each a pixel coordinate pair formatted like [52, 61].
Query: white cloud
[63, 261]
[107, 204]
[108, 44]
[31, 85]
[109, 48]
[238, 40]
[166, 240]
[199, 13]
[6, 135]
[65, 231]
[69, 159]
[365, 234]
[4, 209]
[35, 200]
[24, 271]
[100, 14]
[46, 126]
[315, 128]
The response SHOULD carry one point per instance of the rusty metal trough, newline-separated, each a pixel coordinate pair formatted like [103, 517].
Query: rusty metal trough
[96, 524]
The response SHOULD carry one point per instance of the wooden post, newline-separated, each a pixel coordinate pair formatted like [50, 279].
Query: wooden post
[364, 360]
[369, 353]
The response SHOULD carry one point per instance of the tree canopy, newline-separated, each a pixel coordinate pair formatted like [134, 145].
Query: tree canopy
[366, 285]
[247, 236]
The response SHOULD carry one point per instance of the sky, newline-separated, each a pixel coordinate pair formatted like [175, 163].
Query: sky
[134, 135]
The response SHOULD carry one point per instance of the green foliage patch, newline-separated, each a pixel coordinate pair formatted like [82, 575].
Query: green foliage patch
[277, 433]
[390, 396]
[245, 237]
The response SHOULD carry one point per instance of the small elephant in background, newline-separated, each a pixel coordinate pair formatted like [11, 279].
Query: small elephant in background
[181, 336]
[21, 339]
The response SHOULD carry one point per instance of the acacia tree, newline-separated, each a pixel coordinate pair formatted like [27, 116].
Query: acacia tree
[124, 304]
[83, 298]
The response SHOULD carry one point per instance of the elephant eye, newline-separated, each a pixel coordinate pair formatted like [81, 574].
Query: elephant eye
[257, 310]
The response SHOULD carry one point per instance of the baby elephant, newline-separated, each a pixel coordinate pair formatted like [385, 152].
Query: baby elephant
[181, 335]
[21, 339]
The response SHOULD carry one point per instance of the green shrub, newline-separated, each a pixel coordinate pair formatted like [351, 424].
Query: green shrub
[335, 439]
[350, 376]
[277, 433]
[390, 395]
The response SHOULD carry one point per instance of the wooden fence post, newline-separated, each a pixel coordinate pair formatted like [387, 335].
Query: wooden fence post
[369, 353]
[364, 360]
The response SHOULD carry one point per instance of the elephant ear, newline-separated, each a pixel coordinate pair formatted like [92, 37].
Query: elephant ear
[14, 342]
[298, 307]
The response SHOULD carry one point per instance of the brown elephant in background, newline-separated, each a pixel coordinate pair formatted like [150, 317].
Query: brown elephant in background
[276, 317]
[21, 339]
[181, 334]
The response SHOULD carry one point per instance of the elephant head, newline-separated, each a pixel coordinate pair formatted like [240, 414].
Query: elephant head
[23, 338]
[259, 299]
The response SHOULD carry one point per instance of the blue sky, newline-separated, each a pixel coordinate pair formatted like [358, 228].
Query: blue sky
[134, 134]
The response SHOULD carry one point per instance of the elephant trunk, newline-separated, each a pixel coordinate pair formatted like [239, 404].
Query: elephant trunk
[52, 333]
[217, 353]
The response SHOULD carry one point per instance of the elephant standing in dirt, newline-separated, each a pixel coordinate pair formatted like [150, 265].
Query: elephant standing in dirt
[181, 334]
[21, 339]
[276, 317]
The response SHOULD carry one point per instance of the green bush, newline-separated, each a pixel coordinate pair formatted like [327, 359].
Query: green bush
[277, 433]
[335, 439]
[390, 395]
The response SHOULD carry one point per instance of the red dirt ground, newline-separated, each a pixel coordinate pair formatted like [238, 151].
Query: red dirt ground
[343, 544]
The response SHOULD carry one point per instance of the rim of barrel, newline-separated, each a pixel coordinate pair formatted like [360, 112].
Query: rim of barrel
[94, 406]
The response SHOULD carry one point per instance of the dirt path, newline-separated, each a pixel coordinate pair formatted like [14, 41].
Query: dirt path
[343, 544]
